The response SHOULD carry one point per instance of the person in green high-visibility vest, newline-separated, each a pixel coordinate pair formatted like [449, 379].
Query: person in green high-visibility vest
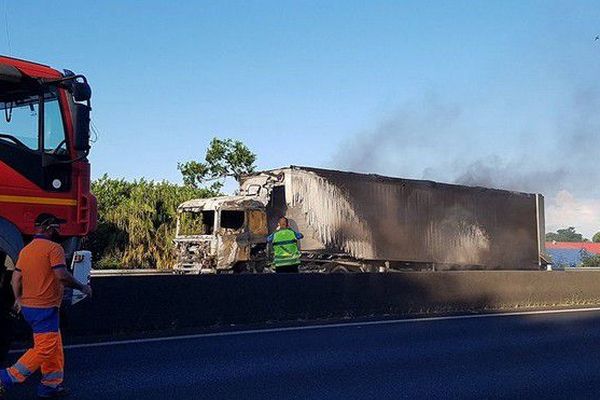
[286, 253]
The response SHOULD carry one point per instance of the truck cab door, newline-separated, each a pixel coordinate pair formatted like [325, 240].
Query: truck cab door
[257, 224]
[232, 239]
[258, 232]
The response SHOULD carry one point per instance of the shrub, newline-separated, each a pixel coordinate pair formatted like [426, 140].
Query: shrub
[136, 222]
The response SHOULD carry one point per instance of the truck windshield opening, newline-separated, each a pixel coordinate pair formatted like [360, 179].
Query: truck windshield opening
[19, 122]
[193, 223]
[231, 219]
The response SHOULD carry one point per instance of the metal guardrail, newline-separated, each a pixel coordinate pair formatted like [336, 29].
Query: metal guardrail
[149, 271]
[129, 272]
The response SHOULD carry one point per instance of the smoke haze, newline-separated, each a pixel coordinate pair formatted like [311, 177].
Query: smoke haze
[556, 155]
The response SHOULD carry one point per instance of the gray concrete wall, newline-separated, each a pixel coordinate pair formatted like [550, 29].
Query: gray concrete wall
[172, 304]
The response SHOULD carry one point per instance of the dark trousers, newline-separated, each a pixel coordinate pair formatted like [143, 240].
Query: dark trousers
[287, 269]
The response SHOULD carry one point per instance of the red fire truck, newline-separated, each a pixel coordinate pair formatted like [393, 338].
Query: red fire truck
[44, 144]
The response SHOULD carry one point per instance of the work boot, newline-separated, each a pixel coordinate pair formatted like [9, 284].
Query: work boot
[45, 392]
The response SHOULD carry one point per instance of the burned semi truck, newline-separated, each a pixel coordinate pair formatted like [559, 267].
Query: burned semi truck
[362, 222]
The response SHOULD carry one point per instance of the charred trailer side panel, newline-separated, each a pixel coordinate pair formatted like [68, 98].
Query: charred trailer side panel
[377, 218]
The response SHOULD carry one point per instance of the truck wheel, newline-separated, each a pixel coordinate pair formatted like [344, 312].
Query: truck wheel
[340, 269]
[6, 302]
[240, 268]
[258, 267]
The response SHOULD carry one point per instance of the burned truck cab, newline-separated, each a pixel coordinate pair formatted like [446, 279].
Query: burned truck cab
[221, 235]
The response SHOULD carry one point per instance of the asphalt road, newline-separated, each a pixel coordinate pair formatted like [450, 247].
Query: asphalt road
[549, 356]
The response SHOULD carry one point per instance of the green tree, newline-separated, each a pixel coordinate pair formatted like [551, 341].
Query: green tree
[565, 235]
[596, 238]
[224, 158]
[136, 222]
[108, 242]
[590, 260]
[137, 219]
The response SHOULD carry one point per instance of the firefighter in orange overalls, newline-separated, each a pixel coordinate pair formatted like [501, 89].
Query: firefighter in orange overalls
[37, 282]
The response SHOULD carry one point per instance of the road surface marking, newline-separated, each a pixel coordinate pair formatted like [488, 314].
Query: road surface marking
[322, 326]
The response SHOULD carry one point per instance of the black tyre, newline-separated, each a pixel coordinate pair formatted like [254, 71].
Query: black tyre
[340, 269]
[6, 303]
[240, 268]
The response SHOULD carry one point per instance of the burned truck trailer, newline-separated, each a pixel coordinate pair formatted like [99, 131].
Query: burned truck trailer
[366, 222]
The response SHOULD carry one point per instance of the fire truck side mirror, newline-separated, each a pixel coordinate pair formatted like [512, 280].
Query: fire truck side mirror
[81, 91]
[82, 127]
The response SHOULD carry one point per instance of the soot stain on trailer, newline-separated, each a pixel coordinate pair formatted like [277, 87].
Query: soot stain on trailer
[372, 217]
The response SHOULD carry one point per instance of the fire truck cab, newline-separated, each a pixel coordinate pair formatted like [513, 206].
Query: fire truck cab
[44, 144]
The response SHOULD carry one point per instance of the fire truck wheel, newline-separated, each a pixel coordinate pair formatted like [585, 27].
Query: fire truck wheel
[6, 302]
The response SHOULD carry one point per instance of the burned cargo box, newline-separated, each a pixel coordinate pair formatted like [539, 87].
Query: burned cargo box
[402, 221]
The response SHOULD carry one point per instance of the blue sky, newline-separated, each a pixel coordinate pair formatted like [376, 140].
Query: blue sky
[482, 92]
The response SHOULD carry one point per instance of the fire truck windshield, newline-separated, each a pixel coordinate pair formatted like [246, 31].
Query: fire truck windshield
[19, 123]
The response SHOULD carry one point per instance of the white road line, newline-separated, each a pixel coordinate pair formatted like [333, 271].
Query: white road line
[322, 326]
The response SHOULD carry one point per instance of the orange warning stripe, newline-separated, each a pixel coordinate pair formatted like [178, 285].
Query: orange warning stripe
[37, 200]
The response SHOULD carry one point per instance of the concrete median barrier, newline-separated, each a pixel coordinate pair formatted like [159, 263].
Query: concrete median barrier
[131, 305]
